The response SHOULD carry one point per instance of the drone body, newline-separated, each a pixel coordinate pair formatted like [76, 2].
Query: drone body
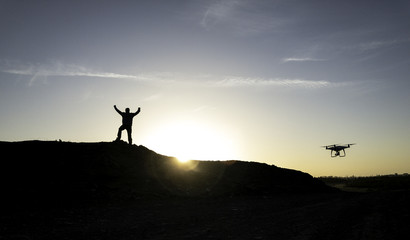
[336, 149]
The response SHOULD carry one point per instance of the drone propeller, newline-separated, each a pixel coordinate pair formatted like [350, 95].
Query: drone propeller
[331, 145]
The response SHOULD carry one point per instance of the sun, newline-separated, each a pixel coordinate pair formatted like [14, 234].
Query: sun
[190, 140]
[183, 159]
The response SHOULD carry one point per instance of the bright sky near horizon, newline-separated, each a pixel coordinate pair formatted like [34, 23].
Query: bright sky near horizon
[265, 80]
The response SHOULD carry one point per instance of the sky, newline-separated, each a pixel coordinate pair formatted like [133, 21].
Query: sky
[269, 81]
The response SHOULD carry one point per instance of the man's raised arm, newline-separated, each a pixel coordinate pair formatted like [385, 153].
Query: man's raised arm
[116, 109]
[138, 111]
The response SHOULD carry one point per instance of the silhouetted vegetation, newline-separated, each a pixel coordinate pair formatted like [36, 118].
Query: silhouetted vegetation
[371, 183]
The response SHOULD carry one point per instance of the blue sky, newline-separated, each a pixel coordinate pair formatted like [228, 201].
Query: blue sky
[267, 81]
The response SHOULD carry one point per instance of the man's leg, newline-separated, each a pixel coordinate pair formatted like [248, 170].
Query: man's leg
[119, 132]
[129, 135]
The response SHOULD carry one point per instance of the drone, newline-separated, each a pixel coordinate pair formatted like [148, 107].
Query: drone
[337, 148]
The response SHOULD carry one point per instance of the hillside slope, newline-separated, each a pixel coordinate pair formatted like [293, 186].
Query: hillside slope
[38, 170]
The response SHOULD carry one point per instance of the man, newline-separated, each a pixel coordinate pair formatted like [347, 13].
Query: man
[126, 122]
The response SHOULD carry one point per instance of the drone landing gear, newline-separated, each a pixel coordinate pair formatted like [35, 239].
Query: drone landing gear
[337, 153]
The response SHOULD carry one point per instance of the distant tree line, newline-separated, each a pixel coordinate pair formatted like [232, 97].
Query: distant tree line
[378, 182]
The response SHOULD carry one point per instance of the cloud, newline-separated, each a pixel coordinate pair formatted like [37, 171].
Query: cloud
[277, 82]
[375, 45]
[379, 44]
[217, 12]
[43, 71]
[152, 97]
[203, 108]
[285, 60]
[57, 69]
[239, 16]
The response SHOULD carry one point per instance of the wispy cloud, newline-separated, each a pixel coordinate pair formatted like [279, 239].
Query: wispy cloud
[374, 44]
[365, 46]
[240, 16]
[277, 82]
[217, 12]
[152, 97]
[295, 59]
[45, 71]
[368, 50]
[57, 69]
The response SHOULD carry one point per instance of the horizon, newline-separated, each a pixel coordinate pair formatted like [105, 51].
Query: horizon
[266, 81]
[186, 161]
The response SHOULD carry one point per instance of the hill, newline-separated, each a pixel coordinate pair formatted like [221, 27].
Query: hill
[62, 171]
[62, 190]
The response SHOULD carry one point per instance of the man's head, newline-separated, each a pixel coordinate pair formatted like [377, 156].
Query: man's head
[127, 110]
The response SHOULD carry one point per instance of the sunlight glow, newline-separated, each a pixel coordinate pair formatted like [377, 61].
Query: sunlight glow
[183, 160]
[190, 140]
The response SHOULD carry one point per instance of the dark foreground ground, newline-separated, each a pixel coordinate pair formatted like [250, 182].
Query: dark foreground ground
[374, 215]
[62, 190]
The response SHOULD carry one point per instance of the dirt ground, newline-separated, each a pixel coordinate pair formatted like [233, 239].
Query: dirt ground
[376, 215]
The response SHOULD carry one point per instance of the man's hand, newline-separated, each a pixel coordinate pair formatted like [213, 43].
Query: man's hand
[138, 111]
[116, 109]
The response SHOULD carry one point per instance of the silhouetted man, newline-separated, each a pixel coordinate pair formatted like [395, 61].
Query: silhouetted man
[126, 122]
